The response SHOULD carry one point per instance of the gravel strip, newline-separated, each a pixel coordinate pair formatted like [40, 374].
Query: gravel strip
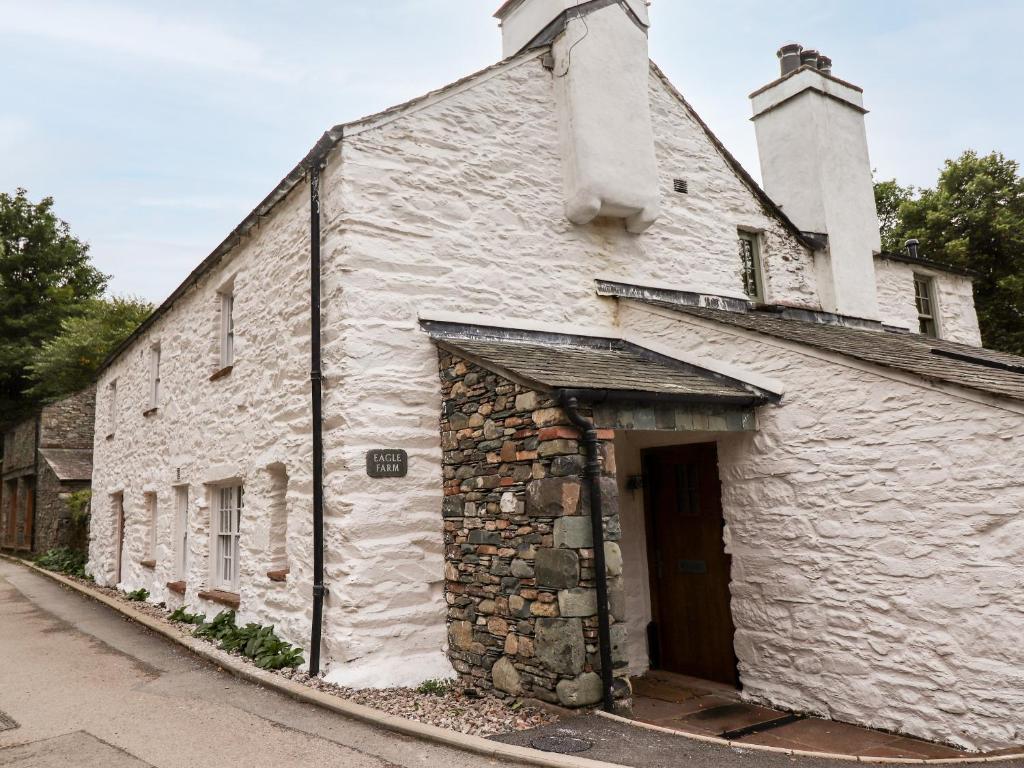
[448, 706]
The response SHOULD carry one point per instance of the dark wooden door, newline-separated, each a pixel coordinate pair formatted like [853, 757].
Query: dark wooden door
[693, 628]
[30, 515]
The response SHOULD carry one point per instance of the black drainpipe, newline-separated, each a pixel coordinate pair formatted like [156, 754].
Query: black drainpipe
[571, 405]
[315, 377]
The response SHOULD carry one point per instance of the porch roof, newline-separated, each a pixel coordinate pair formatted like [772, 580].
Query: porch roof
[977, 368]
[592, 366]
[69, 464]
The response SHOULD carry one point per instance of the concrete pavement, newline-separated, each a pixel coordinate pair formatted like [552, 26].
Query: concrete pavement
[87, 688]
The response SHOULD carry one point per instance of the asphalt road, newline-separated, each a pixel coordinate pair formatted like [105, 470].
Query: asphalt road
[86, 688]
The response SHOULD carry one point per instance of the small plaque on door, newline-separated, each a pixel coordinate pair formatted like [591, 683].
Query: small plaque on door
[692, 567]
[387, 462]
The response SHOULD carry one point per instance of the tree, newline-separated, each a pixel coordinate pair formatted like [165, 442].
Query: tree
[45, 278]
[974, 219]
[889, 196]
[68, 362]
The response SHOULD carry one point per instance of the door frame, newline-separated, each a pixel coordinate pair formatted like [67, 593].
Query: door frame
[119, 523]
[657, 624]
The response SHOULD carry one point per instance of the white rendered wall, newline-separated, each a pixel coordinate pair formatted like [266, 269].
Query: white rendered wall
[458, 207]
[958, 320]
[814, 161]
[877, 543]
[216, 431]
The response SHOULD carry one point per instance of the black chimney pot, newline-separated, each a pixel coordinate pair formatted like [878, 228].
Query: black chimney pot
[789, 57]
[912, 248]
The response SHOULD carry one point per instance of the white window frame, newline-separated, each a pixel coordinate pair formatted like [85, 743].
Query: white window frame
[112, 406]
[228, 504]
[931, 296]
[181, 553]
[754, 238]
[154, 376]
[227, 328]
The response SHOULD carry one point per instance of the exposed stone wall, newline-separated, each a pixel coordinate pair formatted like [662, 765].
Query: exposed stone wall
[519, 558]
[20, 447]
[877, 542]
[958, 320]
[69, 423]
[52, 519]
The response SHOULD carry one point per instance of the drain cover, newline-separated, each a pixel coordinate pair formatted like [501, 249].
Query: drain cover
[6, 722]
[564, 745]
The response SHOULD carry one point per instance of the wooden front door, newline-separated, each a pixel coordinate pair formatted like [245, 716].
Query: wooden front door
[119, 511]
[30, 515]
[689, 569]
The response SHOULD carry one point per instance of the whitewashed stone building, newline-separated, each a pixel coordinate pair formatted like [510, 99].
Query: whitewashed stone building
[810, 470]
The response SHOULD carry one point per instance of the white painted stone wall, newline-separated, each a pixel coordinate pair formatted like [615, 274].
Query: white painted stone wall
[958, 320]
[458, 207]
[877, 541]
[215, 431]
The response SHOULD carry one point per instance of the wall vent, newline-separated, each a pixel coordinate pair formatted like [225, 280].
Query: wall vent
[682, 186]
[177, 474]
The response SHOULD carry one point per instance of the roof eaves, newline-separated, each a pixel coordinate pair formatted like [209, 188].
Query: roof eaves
[906, 258]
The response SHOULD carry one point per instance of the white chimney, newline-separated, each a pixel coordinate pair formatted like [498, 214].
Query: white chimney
[601, 74]
[812, 141]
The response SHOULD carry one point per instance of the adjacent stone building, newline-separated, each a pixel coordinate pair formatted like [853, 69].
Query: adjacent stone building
[594, 402]
[46, 458]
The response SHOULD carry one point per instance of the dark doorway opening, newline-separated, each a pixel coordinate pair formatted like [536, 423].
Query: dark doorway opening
[692, 628]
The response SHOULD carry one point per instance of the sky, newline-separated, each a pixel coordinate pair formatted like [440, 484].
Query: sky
[158, 127]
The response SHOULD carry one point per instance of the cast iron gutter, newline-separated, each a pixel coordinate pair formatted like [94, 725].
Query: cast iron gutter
[316, 379]
[571, 405]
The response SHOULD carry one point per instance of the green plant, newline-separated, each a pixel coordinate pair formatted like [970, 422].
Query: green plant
[434, 687]
[138, 596]
[78, 503]
[260, 644]
[64, 560]
[182, 615]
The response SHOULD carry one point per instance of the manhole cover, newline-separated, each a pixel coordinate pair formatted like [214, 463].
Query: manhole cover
[6, 722]
[564, 745]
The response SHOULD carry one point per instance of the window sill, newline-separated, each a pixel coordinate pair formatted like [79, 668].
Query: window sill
[280, 574]
[230, 599]
[176, 586]
[151, 412]
[222, 373]
[147, 563]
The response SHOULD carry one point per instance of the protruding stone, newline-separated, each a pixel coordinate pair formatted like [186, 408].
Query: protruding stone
[612, 557]
[527, 401]
[508, 503]
[557, 568]
[505, 676]
[453, 506]
[553, 497]
[559, 645]
[574, 533]
[522, 569]
[577, 602]
[460, 634]
[581, 692]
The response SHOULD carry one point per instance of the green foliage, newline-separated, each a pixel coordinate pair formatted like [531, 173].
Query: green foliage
[889, 198]
[974, 219]
[45, 278]
[68, 361]
[434, 687]
[260, 644]
[138, 596]
[64, 560]
[78, 503]
[182, 615]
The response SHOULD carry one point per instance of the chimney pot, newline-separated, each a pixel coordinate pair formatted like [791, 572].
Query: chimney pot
[825, 65]
[789, 57]
[809, 58]
[913, 247]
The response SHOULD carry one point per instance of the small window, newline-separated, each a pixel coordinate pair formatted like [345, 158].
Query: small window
[112, 406]
[924, 297]
[750, 265]
[154, 376]
[229, 519]
[181, 554]
[227, 329]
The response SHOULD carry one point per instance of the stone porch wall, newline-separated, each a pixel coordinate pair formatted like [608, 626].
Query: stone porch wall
[519, 559]
[69, 423]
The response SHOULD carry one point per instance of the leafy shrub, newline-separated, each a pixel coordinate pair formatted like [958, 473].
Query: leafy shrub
[64, 560]
[182, 615]
[79, 504]
[434, 687]
[138, 596]
[260, 644]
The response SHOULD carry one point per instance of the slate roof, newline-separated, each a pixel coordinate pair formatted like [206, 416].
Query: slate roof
[606, 365]
[69, 464]
[985, 370]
